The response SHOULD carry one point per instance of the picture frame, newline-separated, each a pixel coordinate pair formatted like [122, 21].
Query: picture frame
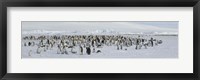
[98, 3]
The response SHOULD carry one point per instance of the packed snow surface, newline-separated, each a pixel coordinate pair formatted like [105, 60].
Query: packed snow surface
[168, 48]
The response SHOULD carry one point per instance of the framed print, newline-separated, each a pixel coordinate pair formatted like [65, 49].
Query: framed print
[67, 39]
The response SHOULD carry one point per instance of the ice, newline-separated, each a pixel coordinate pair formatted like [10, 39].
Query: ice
[96, 32]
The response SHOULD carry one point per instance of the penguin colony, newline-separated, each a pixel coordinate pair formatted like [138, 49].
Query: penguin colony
[87, 44]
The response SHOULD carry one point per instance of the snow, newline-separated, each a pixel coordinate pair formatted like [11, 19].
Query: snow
[168, 49]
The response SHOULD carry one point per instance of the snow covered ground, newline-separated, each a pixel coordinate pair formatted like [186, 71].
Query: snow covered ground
[168, 49]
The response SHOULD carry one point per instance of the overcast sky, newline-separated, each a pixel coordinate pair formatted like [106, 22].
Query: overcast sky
[126, 26]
